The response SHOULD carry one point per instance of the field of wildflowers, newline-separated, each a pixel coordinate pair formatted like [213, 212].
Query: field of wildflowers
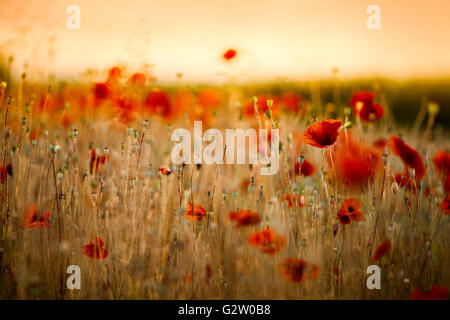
[87, 180]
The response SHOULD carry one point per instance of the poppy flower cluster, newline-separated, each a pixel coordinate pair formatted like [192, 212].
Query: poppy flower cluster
[31, 218]
[410, 157]
[267, 240]
[298, 270]
[365, 108]
[95, 249]
[194, 212]
[322, 134]
[350, 211]
[244, 217]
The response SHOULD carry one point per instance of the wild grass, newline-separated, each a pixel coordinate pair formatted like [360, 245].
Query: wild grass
[155, 252]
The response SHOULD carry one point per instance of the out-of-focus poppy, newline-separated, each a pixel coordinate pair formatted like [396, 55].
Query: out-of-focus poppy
[97, 160]
[229, 54]
[355, 164]
[371, 112]
[359, 99]
[267, 240]
[441, 161]
[337, 274]
[208, 271]
[306, 169]
[445, 205]
[262, 106]
[365, 108]
[3, 173]
[410, 157]
[194, 212]
[137, 79]
[209, 98]
[244, 217]
[114, 75]
[435, 293]
[349, 211]
[322, 134]
[165, 171]
[298, 270]
[33, 220]
[101, 91]
[158, 103]
[382, 249]
[293, 102]
[380, 143]
[95, 249]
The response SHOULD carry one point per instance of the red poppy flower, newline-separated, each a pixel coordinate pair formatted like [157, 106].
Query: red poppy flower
[95, 249]
[229, 54]
[101, 91]
[445, 205]
[158, 103]
[441, 161]
[355, 164]
[350, 211]
[267, 240]
[322, 134]
[383, 248]
[293, 102]
[380, 143]
[33, 220]
[194, 212]
[165, 171]
[208, 271]
[3, 173]
[337, 274]
[307, 168]
[359, 99]
[404, 179]
[291, 199]
[365, 108]
[209, 98]
[114, 75]
[298, 270]
[244, 217]
[435, 293]
[261, 105]
[371, 112]
[410, 157]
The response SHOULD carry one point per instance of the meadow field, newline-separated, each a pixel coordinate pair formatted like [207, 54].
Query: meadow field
[87, 180]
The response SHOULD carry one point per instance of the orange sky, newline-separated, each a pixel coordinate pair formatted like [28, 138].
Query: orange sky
[290, 39]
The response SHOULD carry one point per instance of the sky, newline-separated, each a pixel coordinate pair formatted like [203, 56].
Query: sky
[275, 39]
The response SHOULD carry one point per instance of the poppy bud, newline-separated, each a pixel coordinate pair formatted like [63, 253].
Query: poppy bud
[394, 187]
